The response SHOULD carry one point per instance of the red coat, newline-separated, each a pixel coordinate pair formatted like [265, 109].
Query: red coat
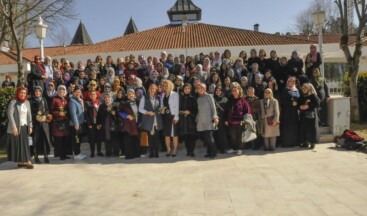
[87, 93]
[57, 104]
[128, 126]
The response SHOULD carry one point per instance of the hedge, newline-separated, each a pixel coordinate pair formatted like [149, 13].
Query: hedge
[6, 94]
[362, 93]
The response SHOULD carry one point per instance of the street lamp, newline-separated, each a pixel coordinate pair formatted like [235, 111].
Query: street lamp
[41, 34]
[318, 20]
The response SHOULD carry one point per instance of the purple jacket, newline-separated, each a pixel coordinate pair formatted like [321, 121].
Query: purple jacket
[235, 110]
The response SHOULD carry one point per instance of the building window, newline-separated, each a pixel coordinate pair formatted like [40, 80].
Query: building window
[334, 71]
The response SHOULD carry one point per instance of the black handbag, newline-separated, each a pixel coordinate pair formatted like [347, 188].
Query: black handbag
[310, 114]
[62, 125]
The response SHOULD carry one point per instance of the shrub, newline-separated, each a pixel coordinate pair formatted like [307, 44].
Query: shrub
[6, 94]
[362, 93]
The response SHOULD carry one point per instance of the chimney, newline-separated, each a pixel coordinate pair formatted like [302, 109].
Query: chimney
[256, 27]
[184, 23]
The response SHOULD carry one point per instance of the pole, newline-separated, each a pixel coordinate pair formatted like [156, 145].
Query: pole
[41, 47]
[321, 52]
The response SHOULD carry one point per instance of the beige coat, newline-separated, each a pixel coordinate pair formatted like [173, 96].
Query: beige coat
[272, 109]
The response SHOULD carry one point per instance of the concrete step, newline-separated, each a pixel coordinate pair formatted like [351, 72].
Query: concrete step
[326, 138]
[324, 130]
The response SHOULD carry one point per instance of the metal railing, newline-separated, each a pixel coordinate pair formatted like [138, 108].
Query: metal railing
[335, 86]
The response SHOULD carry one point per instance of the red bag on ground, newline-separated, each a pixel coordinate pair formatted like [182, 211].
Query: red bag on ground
[351, 136]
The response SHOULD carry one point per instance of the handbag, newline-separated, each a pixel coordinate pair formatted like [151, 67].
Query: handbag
[62, 125]
[269, 120]
[144, 139]
[248, 136]
[310, 114]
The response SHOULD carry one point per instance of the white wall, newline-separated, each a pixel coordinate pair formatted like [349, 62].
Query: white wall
[12, 70]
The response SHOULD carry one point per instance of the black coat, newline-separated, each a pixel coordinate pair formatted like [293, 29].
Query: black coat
[273, 65]
[296, 67]
[313, 65]
[289, 118]
[41, 131]
[35, 78]
[187, 124]
[309, 130]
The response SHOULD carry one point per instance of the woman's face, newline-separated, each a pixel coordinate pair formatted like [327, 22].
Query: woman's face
[61, 92]
[107, 99]
[227, 81]
[187, 90]
[270, 85]
[267, 74]
[23, 94]
[211, 89]
[261, 53]
[257, 80]
[93, 95]
[218, 91]
[273, 54]
[77, 93]
[201, 90]
[253, 53]
[244, 81]
[119, 94]
[235, 92]
[304, 89]
[215, 78]
[291, 83]
[250, 92]
[315, 73]
[37, 93]
[51, 87]
[131, 95]
[152, 89]
[165, 87]
[267, 94]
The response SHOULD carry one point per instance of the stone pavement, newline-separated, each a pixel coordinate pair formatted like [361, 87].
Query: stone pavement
[291, 181]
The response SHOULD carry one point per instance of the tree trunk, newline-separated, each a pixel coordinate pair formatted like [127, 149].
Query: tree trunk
[354, 103]
[21, 81]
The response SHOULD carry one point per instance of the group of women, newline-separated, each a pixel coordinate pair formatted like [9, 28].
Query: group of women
[165, 101]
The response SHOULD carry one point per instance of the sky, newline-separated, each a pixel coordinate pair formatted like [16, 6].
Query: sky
[107, 19]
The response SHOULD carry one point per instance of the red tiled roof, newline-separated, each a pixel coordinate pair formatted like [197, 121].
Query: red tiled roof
[329, 38]
[6, 58]
[50, 51]
[194, 36]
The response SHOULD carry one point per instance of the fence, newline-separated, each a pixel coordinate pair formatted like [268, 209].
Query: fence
[335, 86]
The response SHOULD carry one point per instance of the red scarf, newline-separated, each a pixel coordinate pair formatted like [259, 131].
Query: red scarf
[42, 69]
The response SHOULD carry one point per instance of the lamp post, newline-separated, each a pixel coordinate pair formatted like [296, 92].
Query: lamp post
[41, 34]
[318, 20]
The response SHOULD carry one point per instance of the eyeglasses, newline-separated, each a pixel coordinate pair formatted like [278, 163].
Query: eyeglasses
[92, 84]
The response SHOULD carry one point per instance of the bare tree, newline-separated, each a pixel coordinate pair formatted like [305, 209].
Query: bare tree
[353, 60]
[19, 16]
[61, 37]
[304, 23]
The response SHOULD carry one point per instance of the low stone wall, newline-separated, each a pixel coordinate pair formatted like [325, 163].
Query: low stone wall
[339, 114]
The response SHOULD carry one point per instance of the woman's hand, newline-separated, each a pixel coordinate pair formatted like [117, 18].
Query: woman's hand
[216, 121]
[186, 112]
[90, 126]
[99, 127]
[150, 113]
[30, 130]
[15, 131]
[294, 103]
[175, 122]
[304, 107]
[130, 117]
[62, 114]
[113, 112]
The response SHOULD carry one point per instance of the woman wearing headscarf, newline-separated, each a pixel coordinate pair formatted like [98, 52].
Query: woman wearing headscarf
[110, 76]
[289, 118]
[129, 111]
[322, 90]
[313, 60]
[153, 78]
[151, 120]
[92, 86]
[19, 127]
[308, 104]
[254, 103]
[170, 110]
[94, 132]
[220, 135]
[187, 125]
[37, 74]
[295, 64]
[107, 122]
[270, 113]
[41, 118]
[236, 108]
[207, 119]
[60, 124]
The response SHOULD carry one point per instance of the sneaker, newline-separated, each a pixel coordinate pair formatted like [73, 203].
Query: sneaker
[239, 152]
[231, 151]
[83, 155]
[79, 157]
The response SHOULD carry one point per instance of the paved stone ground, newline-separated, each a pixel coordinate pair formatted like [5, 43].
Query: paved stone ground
[326, 181]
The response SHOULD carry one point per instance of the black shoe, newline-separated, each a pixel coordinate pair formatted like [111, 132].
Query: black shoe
[46, 160]
[21, 165]
[100, 154]
[173, 155]
[92, 155]
[29, 166]
[151, 156]
[168, 154]
[312, 146]
[66, 157]
[207, 156]
[156, 155]
[192, 155]
[62, 158]
[37, 161]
